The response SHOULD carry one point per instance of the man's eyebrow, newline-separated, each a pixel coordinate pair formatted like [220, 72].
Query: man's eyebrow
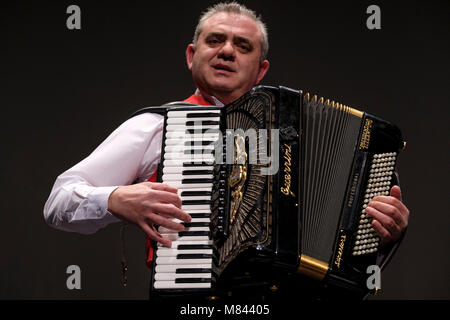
[236, 39]
[215, 34]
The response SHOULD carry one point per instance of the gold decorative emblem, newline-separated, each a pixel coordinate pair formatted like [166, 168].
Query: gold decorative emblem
[286, 189]
[365, 139]
[238, 175]
[337, 262]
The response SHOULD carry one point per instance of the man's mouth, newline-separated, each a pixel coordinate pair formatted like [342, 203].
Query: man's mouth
[223, 67]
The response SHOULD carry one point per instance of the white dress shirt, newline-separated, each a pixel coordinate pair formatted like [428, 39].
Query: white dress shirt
[78, 201]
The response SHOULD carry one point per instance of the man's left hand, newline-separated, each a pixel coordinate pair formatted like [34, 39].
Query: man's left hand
[390, 216]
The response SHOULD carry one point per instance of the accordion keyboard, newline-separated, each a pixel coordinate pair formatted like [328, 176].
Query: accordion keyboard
[378, 184]
[188, 165]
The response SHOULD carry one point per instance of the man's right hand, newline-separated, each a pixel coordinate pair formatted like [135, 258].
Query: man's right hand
[148, 204]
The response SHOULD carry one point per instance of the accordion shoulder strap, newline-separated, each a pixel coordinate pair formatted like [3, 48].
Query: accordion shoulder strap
[160, 109]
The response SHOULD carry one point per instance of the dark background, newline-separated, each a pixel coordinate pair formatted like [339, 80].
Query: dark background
[63, 92]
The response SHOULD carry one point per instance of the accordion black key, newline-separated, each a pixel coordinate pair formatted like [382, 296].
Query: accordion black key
[278, 176]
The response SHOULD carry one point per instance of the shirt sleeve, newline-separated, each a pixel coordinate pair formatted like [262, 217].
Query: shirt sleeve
[78, 201]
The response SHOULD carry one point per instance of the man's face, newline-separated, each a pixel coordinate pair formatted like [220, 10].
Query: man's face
[226, 61]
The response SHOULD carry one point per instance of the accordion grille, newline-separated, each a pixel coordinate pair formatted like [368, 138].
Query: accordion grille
[251, 223]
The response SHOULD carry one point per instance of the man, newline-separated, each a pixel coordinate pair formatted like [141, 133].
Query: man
[227, 58]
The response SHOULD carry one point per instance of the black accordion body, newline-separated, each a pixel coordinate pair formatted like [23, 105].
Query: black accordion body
[278, 178]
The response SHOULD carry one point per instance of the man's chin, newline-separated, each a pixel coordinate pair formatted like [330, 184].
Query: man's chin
[226, 96]
[221, 87]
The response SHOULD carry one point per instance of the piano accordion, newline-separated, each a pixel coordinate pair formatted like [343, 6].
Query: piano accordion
[305, 216]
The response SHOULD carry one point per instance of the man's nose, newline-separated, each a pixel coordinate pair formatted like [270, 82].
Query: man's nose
[227, 51]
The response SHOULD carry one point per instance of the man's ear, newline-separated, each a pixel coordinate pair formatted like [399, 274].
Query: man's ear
[263, 68]
[190, 55]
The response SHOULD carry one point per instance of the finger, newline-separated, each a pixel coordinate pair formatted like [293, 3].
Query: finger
[164, 187]
[386, 221]
[172, 211]
[396, 192]
[155, 235]
[166, 223]
[390, 210]
[394, 202]
[385, 235]
[167, 197]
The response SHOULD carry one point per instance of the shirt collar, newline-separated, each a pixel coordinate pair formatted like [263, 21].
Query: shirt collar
[211, 99]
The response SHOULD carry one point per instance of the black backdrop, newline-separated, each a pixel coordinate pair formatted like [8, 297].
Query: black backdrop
[63, 92]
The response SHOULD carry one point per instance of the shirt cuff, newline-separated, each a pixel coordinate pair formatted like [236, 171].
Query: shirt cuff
[98, 204]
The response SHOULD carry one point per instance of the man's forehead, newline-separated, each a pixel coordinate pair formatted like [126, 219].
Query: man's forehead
[238, 24]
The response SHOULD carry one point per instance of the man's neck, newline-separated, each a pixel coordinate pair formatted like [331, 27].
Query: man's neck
[213, 100]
